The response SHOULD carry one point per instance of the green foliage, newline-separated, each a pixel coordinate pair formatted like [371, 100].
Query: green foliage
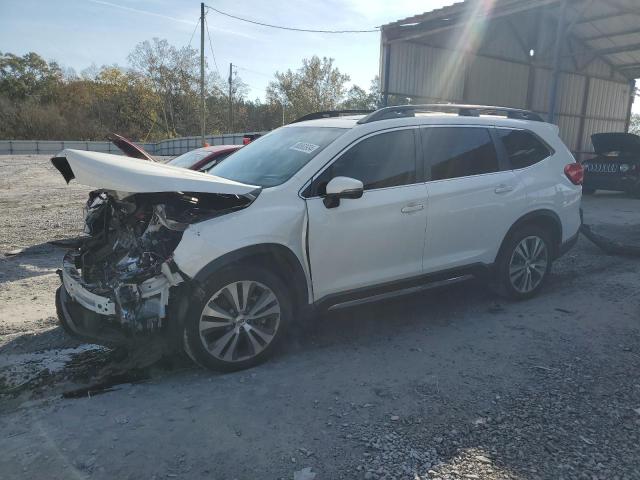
[28, 76]
[158, 96]
[315, 86]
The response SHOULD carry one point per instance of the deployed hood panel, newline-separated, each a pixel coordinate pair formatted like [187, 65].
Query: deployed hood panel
[616, 142]
[126, 174]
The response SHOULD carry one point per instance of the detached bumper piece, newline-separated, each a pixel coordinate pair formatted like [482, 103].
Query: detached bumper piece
[118, 314]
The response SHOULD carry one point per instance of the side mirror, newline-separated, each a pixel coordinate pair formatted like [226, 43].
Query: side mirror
[342, 187]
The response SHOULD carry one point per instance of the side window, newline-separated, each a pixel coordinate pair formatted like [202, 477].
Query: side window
[384, 160]
[523, 148]
[456, 152]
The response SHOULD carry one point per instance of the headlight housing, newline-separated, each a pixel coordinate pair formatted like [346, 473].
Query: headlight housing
[624, 168]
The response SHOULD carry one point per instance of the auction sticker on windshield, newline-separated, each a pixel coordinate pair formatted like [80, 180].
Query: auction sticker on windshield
[304, 147]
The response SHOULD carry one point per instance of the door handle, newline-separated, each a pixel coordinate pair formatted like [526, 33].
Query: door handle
[412, 208]
[503, 189]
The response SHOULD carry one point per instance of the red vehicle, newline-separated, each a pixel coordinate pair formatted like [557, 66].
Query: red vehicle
[200, 159]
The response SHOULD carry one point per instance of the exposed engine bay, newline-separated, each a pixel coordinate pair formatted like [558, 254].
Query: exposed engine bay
[124, 268]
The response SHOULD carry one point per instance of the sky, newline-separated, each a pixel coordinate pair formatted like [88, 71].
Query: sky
[82, 33]
[79, 33]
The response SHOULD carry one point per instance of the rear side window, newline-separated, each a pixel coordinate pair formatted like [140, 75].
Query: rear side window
[522, 148]
[455, 152]
[384, 160]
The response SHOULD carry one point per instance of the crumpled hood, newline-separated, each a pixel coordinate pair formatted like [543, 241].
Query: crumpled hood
[615, 142]
[126, 174]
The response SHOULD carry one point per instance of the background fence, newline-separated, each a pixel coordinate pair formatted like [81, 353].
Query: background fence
[169, 147]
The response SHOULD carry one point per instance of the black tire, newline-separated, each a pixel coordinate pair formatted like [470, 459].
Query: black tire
[506, 285]
[588, 191]
[193, 342]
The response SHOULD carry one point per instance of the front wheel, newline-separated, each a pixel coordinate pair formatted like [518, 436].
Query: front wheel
[238, 320]
[524, 262]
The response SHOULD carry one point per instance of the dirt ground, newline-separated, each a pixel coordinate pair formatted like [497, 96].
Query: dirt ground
[454, 383]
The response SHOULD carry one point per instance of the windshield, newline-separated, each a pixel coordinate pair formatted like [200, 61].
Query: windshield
[276, 157]
[188, 159]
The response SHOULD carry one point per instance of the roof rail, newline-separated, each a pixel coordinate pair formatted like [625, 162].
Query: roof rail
[331, 113]
[401, 111]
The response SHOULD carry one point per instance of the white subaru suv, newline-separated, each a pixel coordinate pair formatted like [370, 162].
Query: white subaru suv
[325, 212]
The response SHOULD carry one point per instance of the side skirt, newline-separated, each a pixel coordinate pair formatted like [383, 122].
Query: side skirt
[402, 287]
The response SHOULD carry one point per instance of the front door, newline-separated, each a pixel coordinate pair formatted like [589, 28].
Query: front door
[379, 237]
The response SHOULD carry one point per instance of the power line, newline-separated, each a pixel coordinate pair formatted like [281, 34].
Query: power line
[194, 31]
[252, 71]
[280, 27]
[206, 24]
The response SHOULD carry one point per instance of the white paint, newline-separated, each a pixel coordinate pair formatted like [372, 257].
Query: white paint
[126, 174]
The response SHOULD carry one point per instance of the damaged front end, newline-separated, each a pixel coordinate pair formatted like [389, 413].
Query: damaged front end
[120, 282]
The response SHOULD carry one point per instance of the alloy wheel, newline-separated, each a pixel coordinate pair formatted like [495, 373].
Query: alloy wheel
[528, 264]
[239, 321]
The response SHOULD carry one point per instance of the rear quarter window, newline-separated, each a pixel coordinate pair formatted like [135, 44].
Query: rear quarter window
[522, 148]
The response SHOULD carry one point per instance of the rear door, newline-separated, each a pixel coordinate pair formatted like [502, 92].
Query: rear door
[473, 196]
[379, 237]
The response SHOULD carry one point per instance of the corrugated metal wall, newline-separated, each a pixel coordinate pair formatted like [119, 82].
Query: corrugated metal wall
[424, 81]
[492, 82]
[501, 72]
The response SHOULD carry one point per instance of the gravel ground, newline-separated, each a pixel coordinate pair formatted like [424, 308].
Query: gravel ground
[450, 384]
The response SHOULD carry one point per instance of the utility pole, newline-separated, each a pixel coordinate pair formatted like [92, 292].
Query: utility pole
[202, 99]
[230, 98]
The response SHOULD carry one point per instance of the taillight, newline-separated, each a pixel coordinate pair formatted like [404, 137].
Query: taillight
[246, 141]
[575, 173]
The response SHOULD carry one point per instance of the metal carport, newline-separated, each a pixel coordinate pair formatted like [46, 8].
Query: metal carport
[573, 61]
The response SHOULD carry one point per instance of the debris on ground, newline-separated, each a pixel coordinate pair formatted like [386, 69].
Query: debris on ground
[612, 247]
[304, 474]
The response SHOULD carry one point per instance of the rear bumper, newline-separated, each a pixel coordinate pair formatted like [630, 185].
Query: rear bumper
[571, 241]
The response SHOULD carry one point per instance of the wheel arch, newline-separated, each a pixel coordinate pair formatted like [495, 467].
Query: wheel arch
[547, 219]
[277, 258]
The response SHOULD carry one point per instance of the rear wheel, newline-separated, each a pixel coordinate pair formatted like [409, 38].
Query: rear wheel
[524, 262]
[239, 320]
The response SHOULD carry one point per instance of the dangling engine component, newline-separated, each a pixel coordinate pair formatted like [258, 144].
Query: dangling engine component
[124, 268]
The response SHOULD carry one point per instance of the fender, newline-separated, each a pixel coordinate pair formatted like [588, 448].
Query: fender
[283, 257]
[532, 217]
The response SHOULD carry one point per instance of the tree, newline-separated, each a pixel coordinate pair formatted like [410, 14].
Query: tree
[158, 96]
[174, 76]
[357, 98]
[125, 98]
[316, 86]
[28, 76]
[218, 103]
